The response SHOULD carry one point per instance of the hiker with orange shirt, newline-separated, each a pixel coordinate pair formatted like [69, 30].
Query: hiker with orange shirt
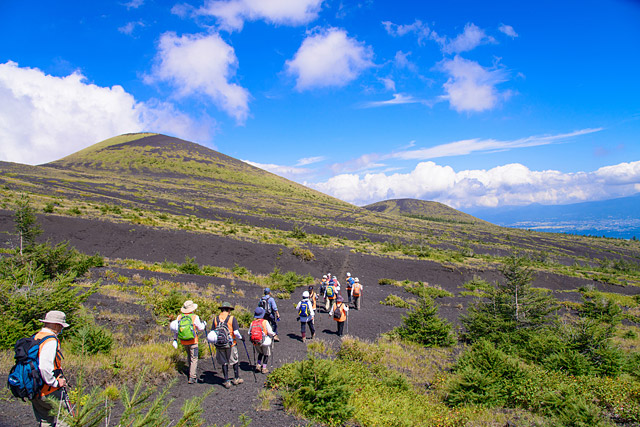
[50, 364]
[185, 328]
[313, 297]
[356, 292]
[340, 314]
[261, 336]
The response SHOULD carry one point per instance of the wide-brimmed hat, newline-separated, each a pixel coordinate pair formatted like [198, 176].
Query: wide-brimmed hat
[57, 317]
[188, 307]
[228, 305]
[339, 299]
[259, 313]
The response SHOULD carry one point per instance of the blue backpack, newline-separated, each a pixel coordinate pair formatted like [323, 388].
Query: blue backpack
[24, 379]
[304, 311]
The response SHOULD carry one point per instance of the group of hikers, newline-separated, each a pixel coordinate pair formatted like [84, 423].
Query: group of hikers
[38, 376]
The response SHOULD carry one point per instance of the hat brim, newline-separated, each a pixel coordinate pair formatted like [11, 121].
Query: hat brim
[64, 325]
[189, 309]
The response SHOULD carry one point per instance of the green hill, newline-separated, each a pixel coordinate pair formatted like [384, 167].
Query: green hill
[422, 209]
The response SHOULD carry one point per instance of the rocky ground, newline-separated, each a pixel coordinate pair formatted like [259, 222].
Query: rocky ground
[225, 406]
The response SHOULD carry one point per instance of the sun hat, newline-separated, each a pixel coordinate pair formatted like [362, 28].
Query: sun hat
[356, 280]
[305, 294]
[228, 305]
[259, 313]
[348, 274]
[324, 276]
[339, 299]
[267, 291]
[188, 307]
[57, 317]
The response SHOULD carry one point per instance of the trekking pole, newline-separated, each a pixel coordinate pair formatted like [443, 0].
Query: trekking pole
[210, 351]
[254, 368]
[67, 402]
[347, 321]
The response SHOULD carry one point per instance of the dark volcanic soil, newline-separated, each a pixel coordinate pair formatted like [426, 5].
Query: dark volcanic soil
[224, 406]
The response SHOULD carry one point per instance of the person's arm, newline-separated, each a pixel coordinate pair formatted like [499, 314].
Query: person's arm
[274, 307]
[269, 329]
[200, 325]
[236, 332]
[46, 358]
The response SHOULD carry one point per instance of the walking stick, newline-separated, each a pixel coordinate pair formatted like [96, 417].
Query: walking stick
[347, 312]
[249, 358]
[67, 402]
[210, 351]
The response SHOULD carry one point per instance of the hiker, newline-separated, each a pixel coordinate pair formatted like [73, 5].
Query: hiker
[330, 294]
[323, 287]
[271, 314]
[50, 363]
[226, 328]
[357, 293]
[313, 297]
[340, 314]
[349, 286]
[260, 334]
[306, 315]
[185, 328]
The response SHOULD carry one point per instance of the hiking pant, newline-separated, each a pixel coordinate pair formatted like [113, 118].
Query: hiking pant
[303, 327]
[274, 324]
[330, 304]
[227, 356]
[192, 359]
[42, 406]
[340, 328]
[356, 302]
[349, 295]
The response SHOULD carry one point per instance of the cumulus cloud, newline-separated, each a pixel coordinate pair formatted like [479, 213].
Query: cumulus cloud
[470, 86]
[512, 184]
[198, 64]
[472, 37]
[508, 30]
[329, 58]
[44, 118]
[231, 14]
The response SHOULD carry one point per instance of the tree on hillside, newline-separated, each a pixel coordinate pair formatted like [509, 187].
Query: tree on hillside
[508, 307]
[27, 226]
[423, 326]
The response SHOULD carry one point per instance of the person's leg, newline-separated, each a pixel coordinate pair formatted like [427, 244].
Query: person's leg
[236, 366]
[349, 295]
[193, 362]
[340, 328]
[41, 407]
[312, 328]
[303, 330]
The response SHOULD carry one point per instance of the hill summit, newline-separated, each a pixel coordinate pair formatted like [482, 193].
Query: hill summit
[423, 209]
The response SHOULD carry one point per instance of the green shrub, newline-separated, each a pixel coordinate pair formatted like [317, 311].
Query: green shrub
[395, 301]
[189, 266]
[422, 325]
[386, 282]
[91, 339]
[49, 207]
[303, 254]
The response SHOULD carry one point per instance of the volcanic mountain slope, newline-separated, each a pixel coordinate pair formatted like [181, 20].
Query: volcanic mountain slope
[423, 209]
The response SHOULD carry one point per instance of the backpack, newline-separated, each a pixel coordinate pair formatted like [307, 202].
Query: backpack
[25, 380]
[264, 303]
[357, 288]
[331, 291]
[223, 333]
[337, 313]
[256, 333]
[186, 329]
[304, 311]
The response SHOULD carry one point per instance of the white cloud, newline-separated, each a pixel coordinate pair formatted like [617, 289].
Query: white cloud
[470, 86]
[508, 30]
[329, 58]
[472, 37]
[134, 4]
[232, 14]
[281, 170]
[202, 64]
[418, 28]
[398, 99]
[389, 84]
[401, 60]
[512, 184]
[310, 160]
[44, 118]
[464, 147]
[129, 27]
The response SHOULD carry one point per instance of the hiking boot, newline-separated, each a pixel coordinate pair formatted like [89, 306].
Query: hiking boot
[192, 381]
[226, 384]
[276, 339]
[237, 381]
[265, 370]
[258, 368]
[304, 339]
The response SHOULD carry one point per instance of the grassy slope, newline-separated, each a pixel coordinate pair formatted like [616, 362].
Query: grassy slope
[154, 177]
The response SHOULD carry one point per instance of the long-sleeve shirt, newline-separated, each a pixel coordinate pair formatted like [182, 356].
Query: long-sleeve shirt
[311, 311]
[197, 323]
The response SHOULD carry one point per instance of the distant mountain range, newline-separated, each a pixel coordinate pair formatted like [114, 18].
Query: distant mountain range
[618, 218]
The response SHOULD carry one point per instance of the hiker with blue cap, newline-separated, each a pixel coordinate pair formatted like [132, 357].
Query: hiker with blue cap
[271, 314]
[260, 334]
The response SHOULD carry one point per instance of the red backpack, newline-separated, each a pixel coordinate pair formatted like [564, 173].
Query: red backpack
[256, 332]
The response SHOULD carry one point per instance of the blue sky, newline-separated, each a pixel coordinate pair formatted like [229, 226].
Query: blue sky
[468, 103]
